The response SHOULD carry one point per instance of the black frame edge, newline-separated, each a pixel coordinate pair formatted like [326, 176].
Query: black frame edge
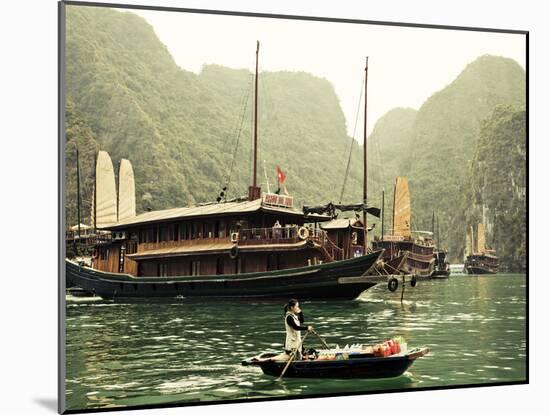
[61, 285]
[291, 17]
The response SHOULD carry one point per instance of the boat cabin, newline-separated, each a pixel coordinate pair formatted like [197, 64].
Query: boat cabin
[347, 235]
[220, 238]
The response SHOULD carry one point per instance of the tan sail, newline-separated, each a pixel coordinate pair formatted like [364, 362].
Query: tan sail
[126, 191]
[480, 239]
[401, 208]
[105, 203]
[472, 241]
[92, 209]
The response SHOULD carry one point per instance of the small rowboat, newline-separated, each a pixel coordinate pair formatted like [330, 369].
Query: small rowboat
[362, 365]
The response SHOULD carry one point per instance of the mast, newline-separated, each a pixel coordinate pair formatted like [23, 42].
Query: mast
[393, 210]
[474, 241]
[365, 231]
[495, 232]
[433, 224]
[438, 242]
[383, 209]
[95, 192]
[78, 193]
[254, 191]
[256, 113]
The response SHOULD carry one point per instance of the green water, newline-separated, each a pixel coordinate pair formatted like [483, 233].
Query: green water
[143, 354]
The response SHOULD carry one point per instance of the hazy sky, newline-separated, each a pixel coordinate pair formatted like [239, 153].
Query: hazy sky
[406, 65]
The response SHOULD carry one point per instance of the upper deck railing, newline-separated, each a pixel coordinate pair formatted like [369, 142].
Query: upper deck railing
[89, 237]
[257, 236]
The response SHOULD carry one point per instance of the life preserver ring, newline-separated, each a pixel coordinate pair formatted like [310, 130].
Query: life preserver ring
[392, 284]
[234, 252]
[303, 232]
[234, 237]
[413, 281]
[354, 238]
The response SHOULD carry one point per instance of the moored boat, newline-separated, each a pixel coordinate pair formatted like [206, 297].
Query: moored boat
[341, 280]
[481, 260]
[419, 246]
[442, 269]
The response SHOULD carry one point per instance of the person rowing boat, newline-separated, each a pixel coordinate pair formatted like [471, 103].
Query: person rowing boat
[294, 319]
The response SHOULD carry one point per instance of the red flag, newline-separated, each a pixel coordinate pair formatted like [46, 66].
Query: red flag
[280, 175]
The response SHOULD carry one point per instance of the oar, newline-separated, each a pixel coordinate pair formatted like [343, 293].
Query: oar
[322, 340]
[292, 357]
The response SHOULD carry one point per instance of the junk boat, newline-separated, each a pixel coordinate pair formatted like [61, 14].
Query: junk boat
[257, 247]
[480, 260]
[358, 362]
[419, 248]
[442, 269]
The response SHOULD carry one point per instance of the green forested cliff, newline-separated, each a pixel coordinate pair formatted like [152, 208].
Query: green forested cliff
[126, 95]
[496, 193]
[444, 140]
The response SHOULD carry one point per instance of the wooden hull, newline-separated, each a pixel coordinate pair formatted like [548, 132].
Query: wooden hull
[477, 270]
[358, 367]
[318, 282]
[441, 274]
[419, 260]
[481, 264]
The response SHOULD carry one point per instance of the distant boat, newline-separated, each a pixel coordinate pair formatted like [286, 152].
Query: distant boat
[420, 259]
[441, 269]
[480, 260]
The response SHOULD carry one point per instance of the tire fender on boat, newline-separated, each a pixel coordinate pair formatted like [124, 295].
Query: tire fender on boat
[392, 284]
[234, 252]
[413, 281]
[303, 232]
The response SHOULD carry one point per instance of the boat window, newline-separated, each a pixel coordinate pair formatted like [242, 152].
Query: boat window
[131, 247]
[272, 262]
[163, 233]
[195, 267]
[239, 265]
[219, 266]
[162, 270]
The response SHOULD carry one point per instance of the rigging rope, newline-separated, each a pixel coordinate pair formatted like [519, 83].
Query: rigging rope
[352, 141]
[238, 136]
